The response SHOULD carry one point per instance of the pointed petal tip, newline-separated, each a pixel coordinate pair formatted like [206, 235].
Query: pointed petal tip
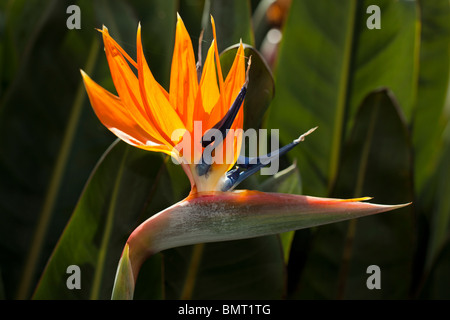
[126, 249]
[393, 206]
[139, 32]
[241, 45]
[124, 281]
[104, 31]
[357, 199]
[302, 137]
[85, 76]
[380, 208]
[389, 207]
[398, 206]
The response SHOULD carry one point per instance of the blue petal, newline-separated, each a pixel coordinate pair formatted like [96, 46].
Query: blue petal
[248, 166]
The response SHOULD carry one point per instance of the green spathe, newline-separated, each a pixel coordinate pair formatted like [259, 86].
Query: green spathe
[223, 216]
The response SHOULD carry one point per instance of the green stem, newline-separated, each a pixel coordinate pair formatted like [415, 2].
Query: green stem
[346, 257]
[107, 233]
[342, 98]
[55, 181]
[192, 271]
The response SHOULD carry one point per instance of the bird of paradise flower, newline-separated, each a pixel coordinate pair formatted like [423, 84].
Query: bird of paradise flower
[145, 115]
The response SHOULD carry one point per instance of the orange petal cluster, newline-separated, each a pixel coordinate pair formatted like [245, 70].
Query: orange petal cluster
[145, 115]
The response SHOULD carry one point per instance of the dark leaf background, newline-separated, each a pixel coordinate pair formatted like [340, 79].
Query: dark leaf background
[71, 194]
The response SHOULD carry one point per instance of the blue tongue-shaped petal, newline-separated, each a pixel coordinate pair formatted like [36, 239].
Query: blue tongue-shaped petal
[227, 121]
[222, 127]
[248, 166]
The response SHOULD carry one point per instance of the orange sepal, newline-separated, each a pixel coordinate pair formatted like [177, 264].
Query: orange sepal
[114, 116]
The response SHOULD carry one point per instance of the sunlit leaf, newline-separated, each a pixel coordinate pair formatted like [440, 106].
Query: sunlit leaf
[37, 124]
[117, 194]
[432, 89]
[328, 62]
[45, 116]
[440, 217]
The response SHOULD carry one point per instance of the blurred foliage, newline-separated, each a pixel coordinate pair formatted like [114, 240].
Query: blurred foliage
[379, 96]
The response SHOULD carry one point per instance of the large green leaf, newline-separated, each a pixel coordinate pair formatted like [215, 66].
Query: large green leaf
[433, 84]
[328, 61]
[50, 138]
[125, 185]
[431, 141]
[377, 161]
[440, 219]
[38, 121]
